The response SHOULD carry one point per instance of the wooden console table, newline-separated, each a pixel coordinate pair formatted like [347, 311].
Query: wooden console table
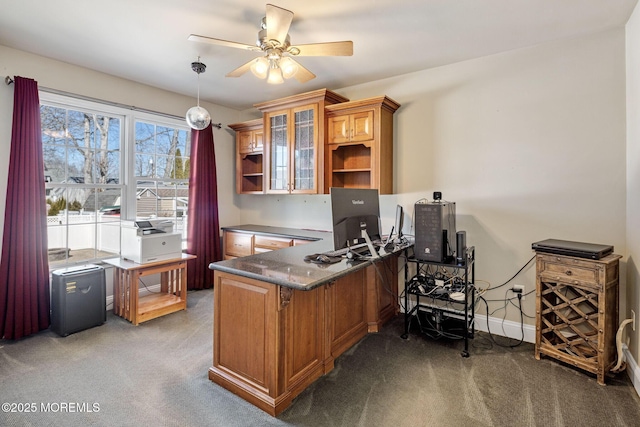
[577, 311]
[173, 288]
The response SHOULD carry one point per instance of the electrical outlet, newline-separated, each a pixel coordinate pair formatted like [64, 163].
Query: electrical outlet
[518, 289]
[633, 316]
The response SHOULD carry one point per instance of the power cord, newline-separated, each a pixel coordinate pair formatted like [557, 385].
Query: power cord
[491, 336]
[147, 288]
[514, 276]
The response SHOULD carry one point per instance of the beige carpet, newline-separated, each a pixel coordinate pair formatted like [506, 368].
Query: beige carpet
[156, 374]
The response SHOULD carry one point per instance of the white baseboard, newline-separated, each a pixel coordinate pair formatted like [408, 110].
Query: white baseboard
[632, 368]
[503, 328]
[506, 328]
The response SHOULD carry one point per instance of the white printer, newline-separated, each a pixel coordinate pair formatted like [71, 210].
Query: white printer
[149, 241]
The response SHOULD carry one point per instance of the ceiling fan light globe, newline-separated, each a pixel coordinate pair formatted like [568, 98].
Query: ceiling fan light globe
[260, 67]
[275, 76]
[198, 118]
[289, 67]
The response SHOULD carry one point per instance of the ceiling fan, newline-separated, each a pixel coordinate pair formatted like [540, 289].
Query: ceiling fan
[273, 39]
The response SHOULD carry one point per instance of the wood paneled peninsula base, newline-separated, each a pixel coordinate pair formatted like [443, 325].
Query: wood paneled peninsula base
[279, 323]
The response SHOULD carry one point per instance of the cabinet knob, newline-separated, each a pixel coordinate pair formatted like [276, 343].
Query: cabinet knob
[568, 273]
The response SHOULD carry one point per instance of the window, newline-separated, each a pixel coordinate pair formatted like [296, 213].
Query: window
[161, 171]
[104, 164]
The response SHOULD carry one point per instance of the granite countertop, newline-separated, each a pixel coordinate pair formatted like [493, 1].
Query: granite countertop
[287, 267]
[295, 233]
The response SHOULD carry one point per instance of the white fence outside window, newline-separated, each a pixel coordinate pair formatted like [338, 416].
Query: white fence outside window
[87, 231]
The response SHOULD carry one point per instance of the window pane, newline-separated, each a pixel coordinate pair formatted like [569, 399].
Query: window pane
[145, 138]
[54, 127]
[82, 152]
[164, 191]
[55, 163]
[162, 199]
[163, 166]
[105, 203]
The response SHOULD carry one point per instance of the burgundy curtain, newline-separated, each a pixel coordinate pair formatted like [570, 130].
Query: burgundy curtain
[24, 268]
[203, 231]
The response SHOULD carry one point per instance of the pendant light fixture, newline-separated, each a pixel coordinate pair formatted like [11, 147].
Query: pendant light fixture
[198, 118]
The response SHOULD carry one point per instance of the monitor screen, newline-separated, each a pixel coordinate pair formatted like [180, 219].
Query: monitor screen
[354, 210]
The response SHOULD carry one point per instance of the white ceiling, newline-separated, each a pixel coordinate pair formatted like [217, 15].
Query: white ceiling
[146, 40]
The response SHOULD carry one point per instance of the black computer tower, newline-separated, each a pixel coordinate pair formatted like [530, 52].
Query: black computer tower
[78, 299]
[435, 231]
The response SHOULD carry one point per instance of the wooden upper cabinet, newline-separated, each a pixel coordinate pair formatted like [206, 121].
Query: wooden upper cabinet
[359, 149]
[249, 156]
[313, 141]
[350, 128]
[293, 141]
[250, 141]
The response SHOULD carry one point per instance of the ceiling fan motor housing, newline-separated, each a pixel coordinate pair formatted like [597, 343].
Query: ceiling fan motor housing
[265, 44]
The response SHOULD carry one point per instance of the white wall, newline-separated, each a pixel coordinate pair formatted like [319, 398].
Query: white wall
[530, 144]
[631, 294]
[65, 77]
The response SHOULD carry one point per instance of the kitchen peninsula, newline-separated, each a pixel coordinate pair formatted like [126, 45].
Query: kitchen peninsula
[280, 321]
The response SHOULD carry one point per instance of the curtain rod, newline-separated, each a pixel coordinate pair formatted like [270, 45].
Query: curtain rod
[8, 80]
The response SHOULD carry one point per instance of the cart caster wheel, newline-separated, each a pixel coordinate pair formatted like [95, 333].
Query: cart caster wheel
[465, 354]
[404, 336]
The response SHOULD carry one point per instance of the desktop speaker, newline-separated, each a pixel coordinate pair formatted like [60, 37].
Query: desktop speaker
[461, 247]
[435, 226]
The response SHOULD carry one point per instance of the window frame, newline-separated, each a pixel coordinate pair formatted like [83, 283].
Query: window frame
[127, 180]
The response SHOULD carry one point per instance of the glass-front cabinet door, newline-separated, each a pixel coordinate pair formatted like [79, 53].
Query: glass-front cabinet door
[278, 153]
[304, 156]
[293, 150]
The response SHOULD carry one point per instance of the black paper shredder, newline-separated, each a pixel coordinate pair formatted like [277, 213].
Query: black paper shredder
[78, 299]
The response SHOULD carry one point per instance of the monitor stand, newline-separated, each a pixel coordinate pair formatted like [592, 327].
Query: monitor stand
[372, 249]
[399, 239]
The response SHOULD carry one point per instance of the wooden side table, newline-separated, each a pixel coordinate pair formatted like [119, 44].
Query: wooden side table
[173, 288]
[577, 311]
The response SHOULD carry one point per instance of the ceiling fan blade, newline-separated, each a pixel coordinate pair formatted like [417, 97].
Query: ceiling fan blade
[344, 48]
[210, 40]
[241, 69]
[303, 75]
[278, 23]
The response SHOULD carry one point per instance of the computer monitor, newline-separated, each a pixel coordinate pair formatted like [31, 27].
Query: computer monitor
[353, 211]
